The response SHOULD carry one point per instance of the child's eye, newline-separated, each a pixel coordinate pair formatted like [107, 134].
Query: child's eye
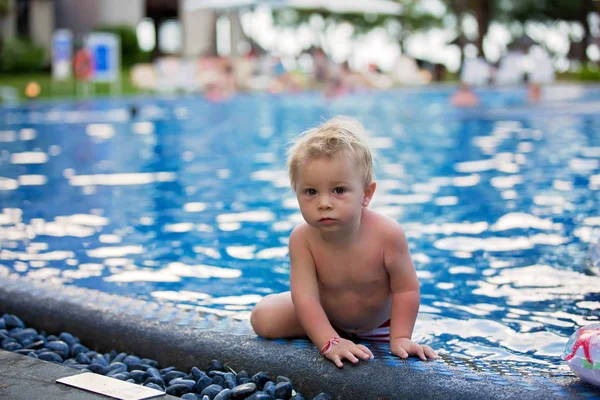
[339, 190]
[310, 192]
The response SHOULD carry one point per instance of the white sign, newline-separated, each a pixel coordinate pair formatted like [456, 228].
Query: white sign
[62, 54]
[110, 387]
[105, 51]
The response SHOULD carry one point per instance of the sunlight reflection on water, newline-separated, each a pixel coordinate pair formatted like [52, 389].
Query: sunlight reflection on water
[189, 202]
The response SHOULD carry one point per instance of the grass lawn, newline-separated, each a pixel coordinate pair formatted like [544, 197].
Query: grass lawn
[65, 89]
[68, 89]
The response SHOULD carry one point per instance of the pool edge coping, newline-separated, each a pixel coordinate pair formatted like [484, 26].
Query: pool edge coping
[105, 322]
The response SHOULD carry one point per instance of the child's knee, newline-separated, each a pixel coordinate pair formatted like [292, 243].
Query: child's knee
[260, 321]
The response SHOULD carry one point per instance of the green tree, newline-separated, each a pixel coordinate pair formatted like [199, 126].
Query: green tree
[548, 11]
[415, 19]
[522, 11]
[412, 19]
[484, 12]
[4, 7]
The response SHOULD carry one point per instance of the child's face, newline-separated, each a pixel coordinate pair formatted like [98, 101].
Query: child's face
[331, 192]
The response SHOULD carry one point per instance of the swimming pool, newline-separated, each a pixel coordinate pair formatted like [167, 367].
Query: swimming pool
[188, 202]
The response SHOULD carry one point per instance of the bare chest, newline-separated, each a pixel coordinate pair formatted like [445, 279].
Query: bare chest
[358, 266]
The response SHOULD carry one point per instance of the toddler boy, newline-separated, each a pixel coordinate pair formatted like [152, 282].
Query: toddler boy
[351, 274]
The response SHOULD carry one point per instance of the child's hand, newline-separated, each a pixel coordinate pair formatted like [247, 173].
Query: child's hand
[348, 350]
[404, 347]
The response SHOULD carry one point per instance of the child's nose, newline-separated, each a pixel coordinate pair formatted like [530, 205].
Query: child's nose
[324, 202]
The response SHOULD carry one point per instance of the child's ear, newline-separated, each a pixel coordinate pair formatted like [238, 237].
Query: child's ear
[369, 191]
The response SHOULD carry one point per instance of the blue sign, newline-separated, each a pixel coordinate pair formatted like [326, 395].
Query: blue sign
[62, 49]
[102, 58]
[62, 53]
[105, 50]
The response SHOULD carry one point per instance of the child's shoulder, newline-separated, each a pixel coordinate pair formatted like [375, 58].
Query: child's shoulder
[300, 232]
[382, 223]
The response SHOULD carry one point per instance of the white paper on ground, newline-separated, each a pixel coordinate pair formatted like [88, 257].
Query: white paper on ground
[110, 387]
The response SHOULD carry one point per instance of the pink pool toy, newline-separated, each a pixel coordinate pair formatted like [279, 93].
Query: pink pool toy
[582, 353]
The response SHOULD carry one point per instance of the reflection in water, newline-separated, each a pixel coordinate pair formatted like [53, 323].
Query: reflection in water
[190, 203]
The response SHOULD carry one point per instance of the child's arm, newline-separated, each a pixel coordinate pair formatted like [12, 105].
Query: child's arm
[305, 295]
[405, 297]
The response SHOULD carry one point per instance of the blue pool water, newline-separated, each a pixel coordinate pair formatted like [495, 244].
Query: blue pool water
[188, 202]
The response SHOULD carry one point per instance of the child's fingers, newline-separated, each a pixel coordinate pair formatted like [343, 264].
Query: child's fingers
[429, 352]
[351, 357]
[358, 352]
[420, 353]
[366, 351]
[337, 361]
[402, 353]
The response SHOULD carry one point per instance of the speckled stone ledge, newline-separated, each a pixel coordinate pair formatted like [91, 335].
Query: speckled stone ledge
[185, 338]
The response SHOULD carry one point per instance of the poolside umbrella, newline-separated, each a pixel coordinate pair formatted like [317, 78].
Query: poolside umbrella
[335, 6]
[348, 6]
[193, 5]
[523, 43]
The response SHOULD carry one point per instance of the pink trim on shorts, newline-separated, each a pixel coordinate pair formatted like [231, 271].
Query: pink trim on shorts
[380, 334]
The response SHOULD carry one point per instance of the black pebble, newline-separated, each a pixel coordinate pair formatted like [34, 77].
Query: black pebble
[219, 380]
[82, 359]
[96, 368]
[226, 394]
[202, 383]
[120, 357]
[283, 390]
[259, 396]
[244, 390]
[260, 379]
[98, 359]
[155, 381]
[230, 380]
[139, 376]
[155, 386]
[154, 372]
[12, 321]
[214, 365]
[50, 356]
[36, 345]
[178, 389]
[211, 391]
[68, 339]
[169, 376]
[78, 348]
[196, 373]
[150, 362]
[60, 348]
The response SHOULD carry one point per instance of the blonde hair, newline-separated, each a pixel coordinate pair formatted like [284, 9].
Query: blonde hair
[338, 136]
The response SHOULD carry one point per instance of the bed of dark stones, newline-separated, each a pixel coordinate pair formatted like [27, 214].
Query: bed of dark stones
[215, 382]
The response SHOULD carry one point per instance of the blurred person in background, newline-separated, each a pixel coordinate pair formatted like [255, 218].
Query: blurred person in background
[464, 97]
[475, 72]
[542, 73]
[282, 79]
[223, 86]
[320, 70]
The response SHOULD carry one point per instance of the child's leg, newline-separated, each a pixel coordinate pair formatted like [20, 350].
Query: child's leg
[274, 317]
